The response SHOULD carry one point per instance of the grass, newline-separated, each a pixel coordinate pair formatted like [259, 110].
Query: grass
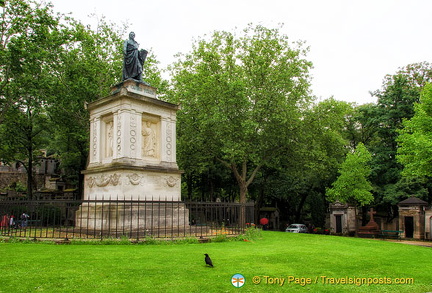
[181, 267]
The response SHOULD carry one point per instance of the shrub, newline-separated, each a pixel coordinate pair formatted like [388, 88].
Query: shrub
[220, 238]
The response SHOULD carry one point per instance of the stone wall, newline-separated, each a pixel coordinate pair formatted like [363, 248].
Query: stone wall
[8, 178]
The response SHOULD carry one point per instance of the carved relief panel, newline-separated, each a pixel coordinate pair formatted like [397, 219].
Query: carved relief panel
[150, 131]
[108, 136]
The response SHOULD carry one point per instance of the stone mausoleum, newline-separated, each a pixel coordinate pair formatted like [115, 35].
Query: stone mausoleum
[414, 220]
[412, 217]
[342, 218]
[132, 157]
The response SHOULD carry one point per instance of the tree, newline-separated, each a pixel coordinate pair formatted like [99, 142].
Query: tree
[91, 64]
[395, 103]
[416, 74]
[415, 139]
[363, 125]
[31, 43]
[241, 100]
[353, 186]
[297, 182]
[50, 67]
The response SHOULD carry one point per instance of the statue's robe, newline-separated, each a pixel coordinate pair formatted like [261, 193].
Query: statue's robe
[133, 60]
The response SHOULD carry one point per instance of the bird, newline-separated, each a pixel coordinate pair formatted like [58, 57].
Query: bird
[208, 260]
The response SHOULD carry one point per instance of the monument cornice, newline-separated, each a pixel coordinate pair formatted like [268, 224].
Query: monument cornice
[132, 90]
[126, 167]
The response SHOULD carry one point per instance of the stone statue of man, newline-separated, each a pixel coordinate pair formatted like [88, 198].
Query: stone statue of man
[133, 59]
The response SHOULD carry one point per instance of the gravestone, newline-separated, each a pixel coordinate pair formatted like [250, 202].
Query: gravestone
[371, 229]
[132, 157]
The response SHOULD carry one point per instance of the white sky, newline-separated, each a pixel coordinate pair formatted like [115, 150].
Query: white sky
[353, 44]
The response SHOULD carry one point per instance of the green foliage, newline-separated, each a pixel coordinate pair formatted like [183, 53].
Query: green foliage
[324, 139]
[298, 180]
[363, 125]
[352, 185]
[220, 238]
[407, 185]
[415, 140]
[253, 233]
[152, 74]
[189, 240]
[31, 43]
[250, 234]
[316, 205]
[395, 104]
[16, 186]
[51, 66]
[150, 241]
[124, 240]
[13, 240]
[24, 241]
[241, 100]
[91, 64]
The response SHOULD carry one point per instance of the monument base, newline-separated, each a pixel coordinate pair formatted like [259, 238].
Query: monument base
[113, 217]
[132, 183]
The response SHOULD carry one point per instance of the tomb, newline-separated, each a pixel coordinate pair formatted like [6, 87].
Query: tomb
[132, 157]
[342, 218]
[371, 229]
[412, 217]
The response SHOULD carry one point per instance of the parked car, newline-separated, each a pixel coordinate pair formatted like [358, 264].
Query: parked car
[297, 228]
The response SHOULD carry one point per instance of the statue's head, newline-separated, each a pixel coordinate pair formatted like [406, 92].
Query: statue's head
[131, 35]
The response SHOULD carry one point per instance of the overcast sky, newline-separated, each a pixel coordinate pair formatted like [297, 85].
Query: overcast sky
[353, 44]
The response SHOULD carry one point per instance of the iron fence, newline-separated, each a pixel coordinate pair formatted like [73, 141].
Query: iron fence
[134, 219]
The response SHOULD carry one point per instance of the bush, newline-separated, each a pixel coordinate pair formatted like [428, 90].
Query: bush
[220, 238]
[252, 233]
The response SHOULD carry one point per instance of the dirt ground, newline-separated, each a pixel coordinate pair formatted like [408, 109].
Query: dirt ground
[412, 242]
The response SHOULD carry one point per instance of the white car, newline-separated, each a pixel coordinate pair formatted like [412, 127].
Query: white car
[297, 228]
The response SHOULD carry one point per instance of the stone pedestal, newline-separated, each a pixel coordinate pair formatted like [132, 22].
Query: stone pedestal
[132, 151]
[139, 217]
[132, 146]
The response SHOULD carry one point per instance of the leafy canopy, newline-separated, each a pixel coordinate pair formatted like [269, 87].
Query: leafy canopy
[352, 186]
[31, 42]
[241, 99]
[415, 140]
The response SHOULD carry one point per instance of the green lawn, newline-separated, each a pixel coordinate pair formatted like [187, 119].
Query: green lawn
[181, 267]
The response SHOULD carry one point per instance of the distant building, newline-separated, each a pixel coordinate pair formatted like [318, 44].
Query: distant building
[413, 220]
[13, 178]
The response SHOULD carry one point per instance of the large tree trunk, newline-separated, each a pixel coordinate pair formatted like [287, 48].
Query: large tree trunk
[300, 207]
[243, 183]
[243, 198]
[30, 178]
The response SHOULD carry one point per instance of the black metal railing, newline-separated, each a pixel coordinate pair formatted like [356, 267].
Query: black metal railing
[134, 219]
